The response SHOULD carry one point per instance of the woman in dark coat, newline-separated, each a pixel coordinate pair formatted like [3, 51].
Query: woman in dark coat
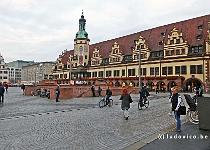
[126, 100]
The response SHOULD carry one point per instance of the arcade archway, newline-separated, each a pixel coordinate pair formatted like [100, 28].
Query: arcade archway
[190, 83]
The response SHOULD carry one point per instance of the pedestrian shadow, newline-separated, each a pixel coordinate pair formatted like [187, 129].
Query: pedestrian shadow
[1, 104]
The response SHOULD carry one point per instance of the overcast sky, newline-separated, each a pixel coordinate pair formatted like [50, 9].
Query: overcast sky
[40, 30]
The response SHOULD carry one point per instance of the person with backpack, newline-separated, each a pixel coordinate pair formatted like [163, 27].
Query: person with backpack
[125, 105]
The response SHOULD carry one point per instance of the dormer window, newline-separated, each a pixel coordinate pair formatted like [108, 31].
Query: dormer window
[161, 43]
[142, 46]
[177, 41]
[199, 37]
[200, 27]
[162, 33]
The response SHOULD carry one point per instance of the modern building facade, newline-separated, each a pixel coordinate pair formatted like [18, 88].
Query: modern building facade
[15, 70]
[173, 54]
[4, 72]
[37, 72]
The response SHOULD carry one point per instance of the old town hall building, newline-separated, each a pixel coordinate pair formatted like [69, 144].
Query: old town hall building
[173, 54]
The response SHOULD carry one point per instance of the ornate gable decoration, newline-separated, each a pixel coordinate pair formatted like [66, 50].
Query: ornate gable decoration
[140, 44]
[115, 55]
[175, 44]
[208, 41]
[96, 57]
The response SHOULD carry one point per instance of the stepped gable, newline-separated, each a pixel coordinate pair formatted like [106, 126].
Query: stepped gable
[189, 29]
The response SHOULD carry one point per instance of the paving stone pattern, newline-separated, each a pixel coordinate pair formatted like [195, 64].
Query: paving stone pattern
[77, 124]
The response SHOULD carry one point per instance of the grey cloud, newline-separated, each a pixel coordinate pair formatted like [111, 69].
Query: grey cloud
[42, 29]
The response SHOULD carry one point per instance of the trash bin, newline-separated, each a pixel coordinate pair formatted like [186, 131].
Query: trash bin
[203, 112]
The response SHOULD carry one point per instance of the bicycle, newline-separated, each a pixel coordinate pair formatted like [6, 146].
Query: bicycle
[143, 103]
[103, 102]
[192, 112]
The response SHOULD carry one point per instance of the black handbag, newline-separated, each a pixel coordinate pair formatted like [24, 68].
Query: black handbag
[182, 110]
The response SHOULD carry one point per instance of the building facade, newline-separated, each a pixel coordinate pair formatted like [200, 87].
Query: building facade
[173, 54]
[36, 72]
[15, 69]
[4, 72]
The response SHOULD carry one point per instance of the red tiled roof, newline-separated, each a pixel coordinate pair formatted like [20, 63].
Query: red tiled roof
[189, 29]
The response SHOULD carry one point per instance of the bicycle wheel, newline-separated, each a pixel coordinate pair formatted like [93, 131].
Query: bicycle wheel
[193, 116]
[146, 103]
[139, 106]
[101, 103]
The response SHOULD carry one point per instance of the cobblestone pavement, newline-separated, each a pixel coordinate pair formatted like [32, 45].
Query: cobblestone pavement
[77, 124]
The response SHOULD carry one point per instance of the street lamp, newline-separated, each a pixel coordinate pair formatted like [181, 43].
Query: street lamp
[138, 47]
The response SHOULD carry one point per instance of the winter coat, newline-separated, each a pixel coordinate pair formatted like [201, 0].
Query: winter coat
[2, 90]
[126, 100]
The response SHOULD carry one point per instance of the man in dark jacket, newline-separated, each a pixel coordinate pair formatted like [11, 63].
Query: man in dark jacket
[1, 93]
[57, 93]
[108, 95]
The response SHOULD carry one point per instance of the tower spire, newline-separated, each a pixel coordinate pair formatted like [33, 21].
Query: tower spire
[82, 33]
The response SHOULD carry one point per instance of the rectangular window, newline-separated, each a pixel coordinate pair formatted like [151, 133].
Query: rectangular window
[177, 69]
[164, 70]
[170, 70]
[116, 73]
[183, 51]
[172, 52]
[144, 71]
[131, 72]
[199, 69]
[101, 74]
[167, 53]
[123, 72]
[178, 52]
[94, 74]
[177, 41]
[183, 69]
[108, 73]
[156, 70]
[152, 72]
[192, 69]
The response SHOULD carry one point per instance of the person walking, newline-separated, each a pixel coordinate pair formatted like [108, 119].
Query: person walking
[57, 93]
[108, 95]
[1, 93]
[93, 90]
[6, 87]
[125, 105]
[23, 88]
[176, 100]
[99, 91]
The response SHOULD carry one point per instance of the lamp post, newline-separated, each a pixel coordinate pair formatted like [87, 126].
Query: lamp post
[139, 68]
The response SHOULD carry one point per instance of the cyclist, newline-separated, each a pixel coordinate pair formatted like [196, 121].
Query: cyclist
[108, 95]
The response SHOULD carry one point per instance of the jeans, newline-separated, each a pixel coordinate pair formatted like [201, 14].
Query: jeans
[178, 121]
